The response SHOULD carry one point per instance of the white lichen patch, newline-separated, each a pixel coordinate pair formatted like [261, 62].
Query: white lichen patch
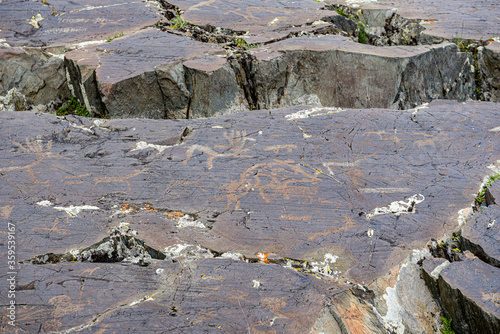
[176, 250]
[73, 211]
[188, 221]
[317, 22]
[399, 207]
[403, 299]
[256, 284]
[274, 21]
[325, 268]
[232, 256]
[88, 43]
[45, 203]
[143, 145]
[464, 215]
[437, 271]
[35, 19]
[491, 224]
[313, 112]
[145, 298]
[8, 101]
[420, 107]
[370, 233]
[3, 43]
[82, 127]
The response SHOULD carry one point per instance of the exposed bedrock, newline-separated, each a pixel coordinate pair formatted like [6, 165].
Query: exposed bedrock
[192, 79]
[31, 77]
[293, 220]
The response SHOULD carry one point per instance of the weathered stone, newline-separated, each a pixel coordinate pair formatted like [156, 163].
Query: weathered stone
[443, 20]
[489, 64]
[256, 21]
[63, 23]
[381, 77]
[257, 194]
[280, 75]
[139, 82]
[35, 74]
[470, 295]
[481, 235]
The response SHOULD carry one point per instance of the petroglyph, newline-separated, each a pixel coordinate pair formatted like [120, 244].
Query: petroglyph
[34, 146]
[429, 141]
[117, 179]
[237, 140]
[78, 179]
[5, 211]
[276, 148]
[271, 180]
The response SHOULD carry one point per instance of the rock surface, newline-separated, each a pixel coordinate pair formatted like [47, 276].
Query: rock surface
[313, 218]
[225, 57]
[232, 202]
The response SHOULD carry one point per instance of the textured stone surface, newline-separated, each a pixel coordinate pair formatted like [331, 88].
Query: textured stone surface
[489, 63]
[40, 77]
[482, 235]
[296, 220]
[192, 79]
[65, 23]
[445, 20]
[351, 192]
[470, 295]
[257, 21]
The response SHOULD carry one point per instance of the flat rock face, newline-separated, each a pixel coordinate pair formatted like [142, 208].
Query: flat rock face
[258, 21]
[334, 192]
[351, 192]
[469, 291]
[62, 23]
[463, 19]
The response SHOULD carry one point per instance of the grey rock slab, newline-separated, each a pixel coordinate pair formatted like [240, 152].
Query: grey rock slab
[482, 235]
[352, 75]
[35, 74]
[255, 21]
[255, 180]
[192, 79]
[450, 19]
[470, 293]
[205, 295]
[489, 64]
[63, 23]
[352, 192]
[137, 76]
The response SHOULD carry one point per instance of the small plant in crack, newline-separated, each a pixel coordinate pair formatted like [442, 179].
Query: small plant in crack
[447, 326]
[177, 23]
[73, 107]
[117, 35]
[340, 11]
[241, 43]
[481, 197]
